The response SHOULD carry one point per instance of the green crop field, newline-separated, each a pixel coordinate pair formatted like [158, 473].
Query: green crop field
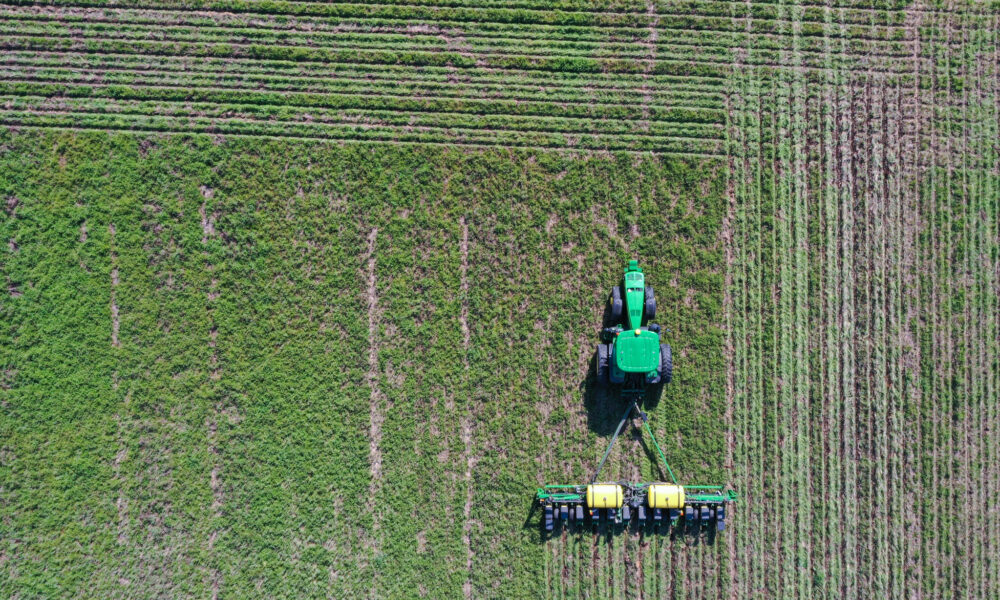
[301, 297]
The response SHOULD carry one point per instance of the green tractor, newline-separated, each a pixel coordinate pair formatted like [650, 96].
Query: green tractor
[630, 352]
[631, 355]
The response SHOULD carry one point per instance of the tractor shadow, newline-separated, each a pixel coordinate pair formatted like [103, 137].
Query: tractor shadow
[604, 403]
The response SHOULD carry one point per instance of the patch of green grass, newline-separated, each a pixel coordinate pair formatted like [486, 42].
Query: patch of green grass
[225, 443]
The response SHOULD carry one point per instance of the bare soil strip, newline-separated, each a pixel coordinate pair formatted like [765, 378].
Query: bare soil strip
[377, 414]
[115, 322]
[466, 424]
[212, 425]
[121, 504]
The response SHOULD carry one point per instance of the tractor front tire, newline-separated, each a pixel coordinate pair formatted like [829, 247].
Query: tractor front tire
[650, 307]
[602, 362]
[616, 304]
[666, 364]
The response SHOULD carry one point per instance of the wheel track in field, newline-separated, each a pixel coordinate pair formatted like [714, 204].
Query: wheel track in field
[468, 413]
[208, 219]
[121, 503]
[376, 399]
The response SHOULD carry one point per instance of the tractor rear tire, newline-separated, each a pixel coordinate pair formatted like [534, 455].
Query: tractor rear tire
[616, 304]
[650, 307]
[601, 363]
[666, 364]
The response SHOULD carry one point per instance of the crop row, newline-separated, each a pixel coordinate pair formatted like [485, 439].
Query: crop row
[381, 73]
[414, 59]
[675, 47]
[685, 63]
[159, 77]
[372, 102]
[415, 120]
[458, 32]
[769, 20]
[635, 100]
[855, 210]
[416, 42]
[44, 117]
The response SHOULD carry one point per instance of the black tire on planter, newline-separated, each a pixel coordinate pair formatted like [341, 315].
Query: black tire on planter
[601, 364]
[616, 303]
[666, 364]
[650, 308]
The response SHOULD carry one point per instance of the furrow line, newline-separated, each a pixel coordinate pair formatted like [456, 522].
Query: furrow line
[173, 79]
[832, 390]
[545, 17]
[431, 35]
[848, 435]
[912, 280]
[14, 125]
[58, 91]
[803, 372]
[372, 131]
[393, 72]
[304, 54]
[948, 277]
[363, 26]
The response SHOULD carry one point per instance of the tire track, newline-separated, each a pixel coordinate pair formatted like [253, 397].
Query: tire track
[208, 231]
[115, 317]
[469, 414]
[121, 503]
[376, 409]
